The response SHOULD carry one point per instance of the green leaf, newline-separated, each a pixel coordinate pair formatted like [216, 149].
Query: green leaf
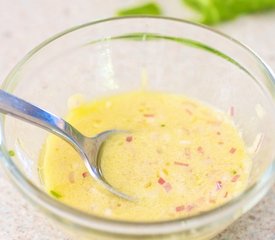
[215, 11]
[56, 194]
[150, 8]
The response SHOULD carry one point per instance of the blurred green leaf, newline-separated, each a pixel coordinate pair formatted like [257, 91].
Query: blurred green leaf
[210, 11]
[150, 8]
[215, 11]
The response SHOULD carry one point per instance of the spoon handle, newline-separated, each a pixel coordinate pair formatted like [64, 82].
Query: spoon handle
[19, 108]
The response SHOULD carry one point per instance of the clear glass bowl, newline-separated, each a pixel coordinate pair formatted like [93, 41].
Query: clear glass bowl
[112, 56]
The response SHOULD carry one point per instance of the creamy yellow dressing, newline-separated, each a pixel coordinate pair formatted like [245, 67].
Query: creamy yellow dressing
[180, 157]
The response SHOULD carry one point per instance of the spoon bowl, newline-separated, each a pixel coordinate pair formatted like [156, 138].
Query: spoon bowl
[87, 147]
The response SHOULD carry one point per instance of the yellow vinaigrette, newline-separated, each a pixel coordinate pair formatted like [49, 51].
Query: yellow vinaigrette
[180, 157]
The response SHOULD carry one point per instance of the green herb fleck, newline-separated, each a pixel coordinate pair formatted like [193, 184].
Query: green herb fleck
[162, 125]
[145, 9]
[56, 194]
[11, 153]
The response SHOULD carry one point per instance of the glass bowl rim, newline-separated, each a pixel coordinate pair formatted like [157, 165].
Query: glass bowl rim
[59, 210]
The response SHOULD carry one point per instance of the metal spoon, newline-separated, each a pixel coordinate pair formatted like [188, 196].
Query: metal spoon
[87, 147]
